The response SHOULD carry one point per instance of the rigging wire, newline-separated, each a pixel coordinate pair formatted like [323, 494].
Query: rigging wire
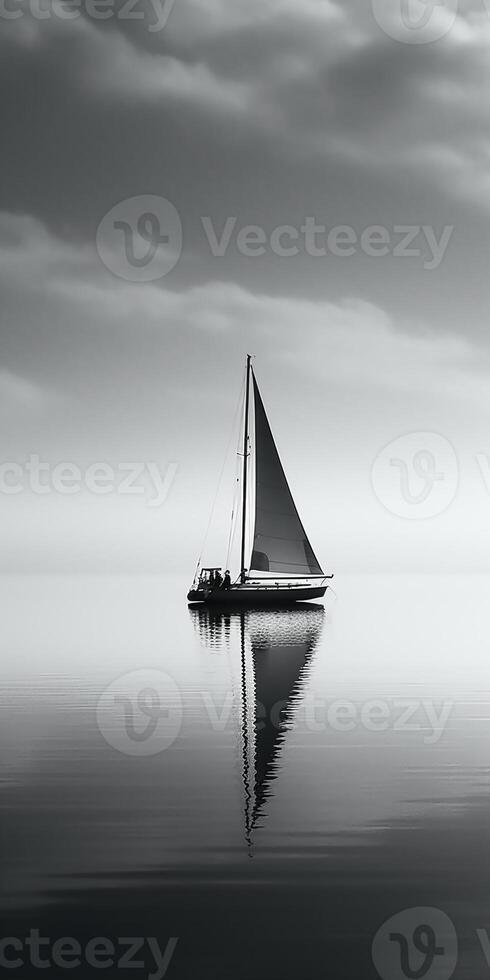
[231, 536]
[237, 500]
[218, 488]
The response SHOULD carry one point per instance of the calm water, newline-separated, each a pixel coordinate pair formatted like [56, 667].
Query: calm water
[269, 788]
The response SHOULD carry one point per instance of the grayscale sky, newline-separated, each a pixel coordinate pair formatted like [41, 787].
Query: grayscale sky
[267, 112]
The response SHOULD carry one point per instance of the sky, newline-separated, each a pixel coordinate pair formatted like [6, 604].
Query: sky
[183, 183]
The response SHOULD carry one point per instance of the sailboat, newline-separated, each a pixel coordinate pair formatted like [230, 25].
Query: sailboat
[283, 567]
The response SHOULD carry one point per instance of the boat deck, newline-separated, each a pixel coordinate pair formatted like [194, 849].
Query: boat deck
[271, 594]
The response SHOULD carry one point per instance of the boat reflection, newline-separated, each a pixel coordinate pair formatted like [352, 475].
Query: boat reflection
[213, 625]
[276, 648]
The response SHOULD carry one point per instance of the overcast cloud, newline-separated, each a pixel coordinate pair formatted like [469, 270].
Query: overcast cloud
[267, 113]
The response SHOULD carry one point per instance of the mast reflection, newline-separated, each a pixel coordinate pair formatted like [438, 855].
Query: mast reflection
[277, 647]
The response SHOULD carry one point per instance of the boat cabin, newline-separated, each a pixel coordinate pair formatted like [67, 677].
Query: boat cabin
[207, 577]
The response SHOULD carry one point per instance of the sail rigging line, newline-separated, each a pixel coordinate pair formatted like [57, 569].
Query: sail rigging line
[231, 534]
[234, 512]
[220, 479]
[244, 455]
[236, 508]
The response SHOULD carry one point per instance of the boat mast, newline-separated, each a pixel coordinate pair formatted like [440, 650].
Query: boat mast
[245, 471]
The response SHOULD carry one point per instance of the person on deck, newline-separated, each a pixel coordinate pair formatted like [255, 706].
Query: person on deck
[218, 579]
[227, 580]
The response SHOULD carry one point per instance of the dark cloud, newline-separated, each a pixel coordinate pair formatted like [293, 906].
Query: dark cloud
[268, 113]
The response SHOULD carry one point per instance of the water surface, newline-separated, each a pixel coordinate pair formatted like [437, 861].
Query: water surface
[294, 779]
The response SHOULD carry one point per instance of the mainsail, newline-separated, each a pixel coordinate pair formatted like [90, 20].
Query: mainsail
[280, 542]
